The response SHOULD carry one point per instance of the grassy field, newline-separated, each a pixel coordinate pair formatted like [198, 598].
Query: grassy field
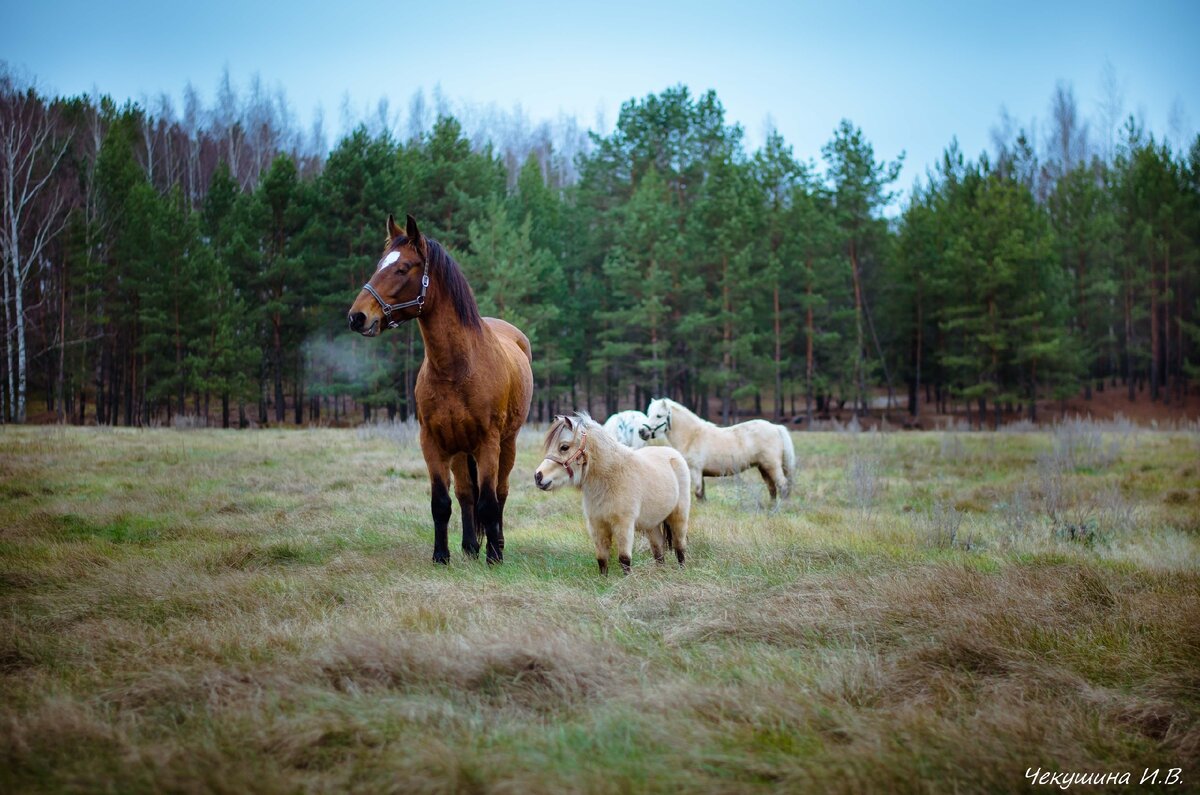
[256, 612]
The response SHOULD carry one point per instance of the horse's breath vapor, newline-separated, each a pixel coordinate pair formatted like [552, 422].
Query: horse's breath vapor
[336, 357]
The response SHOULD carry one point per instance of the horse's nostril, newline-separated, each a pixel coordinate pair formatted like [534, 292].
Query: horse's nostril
[357, 320]
[537, 478]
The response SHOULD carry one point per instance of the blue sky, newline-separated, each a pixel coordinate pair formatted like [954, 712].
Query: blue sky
[911, 75]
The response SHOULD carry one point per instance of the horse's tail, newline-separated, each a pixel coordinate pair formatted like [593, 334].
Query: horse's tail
[789, 458]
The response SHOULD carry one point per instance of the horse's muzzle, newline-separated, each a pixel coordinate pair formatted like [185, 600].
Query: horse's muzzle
[358, 322]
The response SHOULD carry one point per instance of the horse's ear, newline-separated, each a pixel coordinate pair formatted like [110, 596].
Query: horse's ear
[413, 233]
[567, 422]
[393, 230]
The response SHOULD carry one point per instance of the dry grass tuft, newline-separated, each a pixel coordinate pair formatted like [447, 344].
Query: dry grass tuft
[536, 669]
[256, 612]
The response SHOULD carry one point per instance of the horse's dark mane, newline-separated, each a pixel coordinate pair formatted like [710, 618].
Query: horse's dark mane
[449, 276]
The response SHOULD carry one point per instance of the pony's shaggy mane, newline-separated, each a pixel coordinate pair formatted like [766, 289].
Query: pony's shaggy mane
[449, 275]
[579, 417]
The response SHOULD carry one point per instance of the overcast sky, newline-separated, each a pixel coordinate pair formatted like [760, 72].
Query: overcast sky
[911, 75]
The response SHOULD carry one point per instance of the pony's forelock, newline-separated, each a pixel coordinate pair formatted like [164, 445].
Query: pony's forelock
[579, 418]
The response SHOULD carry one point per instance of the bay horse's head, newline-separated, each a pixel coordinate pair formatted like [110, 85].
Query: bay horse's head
[566, 450]
[396, 291]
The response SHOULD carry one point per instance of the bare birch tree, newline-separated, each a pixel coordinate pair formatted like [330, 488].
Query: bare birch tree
[31, 214]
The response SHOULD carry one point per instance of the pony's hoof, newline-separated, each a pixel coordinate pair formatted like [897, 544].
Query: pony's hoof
[442, 558]
[471, 554]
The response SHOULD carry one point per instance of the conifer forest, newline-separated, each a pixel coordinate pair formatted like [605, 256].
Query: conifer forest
[161, 264]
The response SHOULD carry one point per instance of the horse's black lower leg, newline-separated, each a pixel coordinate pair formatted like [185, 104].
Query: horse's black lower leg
[470, 540]
[668, 536]
[439, 504]
[501, 499]
[488, 514]
[603, 564]
[626, 563]
[679, 557]
[468, 495]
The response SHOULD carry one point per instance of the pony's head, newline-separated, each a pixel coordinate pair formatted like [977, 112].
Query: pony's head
[566, 451]
[396, 291]
[658, 416]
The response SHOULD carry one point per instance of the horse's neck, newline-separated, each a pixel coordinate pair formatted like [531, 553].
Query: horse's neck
[602, 463]
[449, 348]
[686, 430]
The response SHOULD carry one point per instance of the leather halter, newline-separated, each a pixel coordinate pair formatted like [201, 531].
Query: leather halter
[418, 302]
[664, 424]
[566, 462]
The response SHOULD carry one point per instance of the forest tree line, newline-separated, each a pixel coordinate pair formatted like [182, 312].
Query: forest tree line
[160, 265]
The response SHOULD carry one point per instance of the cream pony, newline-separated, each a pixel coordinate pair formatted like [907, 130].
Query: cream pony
[624, 490]
[713, 451]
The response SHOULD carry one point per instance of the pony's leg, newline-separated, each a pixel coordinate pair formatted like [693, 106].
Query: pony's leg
[656, 541]
[678, 522]
[602, 538]
[508, 455]
[439, 496]
[487, 509]
[625, 547]
[466, 490]
[771, 479]
[698, 483]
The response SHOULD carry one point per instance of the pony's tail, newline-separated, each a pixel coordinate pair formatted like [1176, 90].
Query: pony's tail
[789, 459]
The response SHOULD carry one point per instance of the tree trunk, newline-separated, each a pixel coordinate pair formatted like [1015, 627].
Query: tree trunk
[277, 342]
[1129, 379]
[1154, 334]
[778, 359]
[809, 361]
[859, 385]
[19, 321]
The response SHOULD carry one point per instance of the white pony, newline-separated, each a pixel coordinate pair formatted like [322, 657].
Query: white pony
[626, 427]
[647, 490]
[714, 451]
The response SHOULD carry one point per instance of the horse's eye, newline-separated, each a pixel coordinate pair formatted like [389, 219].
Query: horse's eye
[562, 448]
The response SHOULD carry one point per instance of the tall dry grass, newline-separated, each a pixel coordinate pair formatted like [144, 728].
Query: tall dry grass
[256, 612]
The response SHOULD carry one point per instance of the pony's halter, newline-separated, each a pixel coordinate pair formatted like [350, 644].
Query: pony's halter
[664, 424]
[418, 302]
[566, 462]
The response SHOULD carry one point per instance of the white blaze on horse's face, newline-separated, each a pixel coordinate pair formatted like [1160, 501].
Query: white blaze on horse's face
[388, 260]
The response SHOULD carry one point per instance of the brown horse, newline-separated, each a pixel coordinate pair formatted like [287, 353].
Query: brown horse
[473, 390]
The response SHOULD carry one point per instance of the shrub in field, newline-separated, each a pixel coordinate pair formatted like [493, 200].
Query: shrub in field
[862, 480]
[1115, 514]
[404, 434]
[1080, 444]
[943, 525]
[1017, 515]
[188, 422]
[951, 448]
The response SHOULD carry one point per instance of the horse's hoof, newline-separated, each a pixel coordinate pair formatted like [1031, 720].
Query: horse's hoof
[442, 558]
[471, 554]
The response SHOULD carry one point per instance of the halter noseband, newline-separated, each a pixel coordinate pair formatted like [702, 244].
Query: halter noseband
[418, 302]
[566, 463]
[664, 424]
